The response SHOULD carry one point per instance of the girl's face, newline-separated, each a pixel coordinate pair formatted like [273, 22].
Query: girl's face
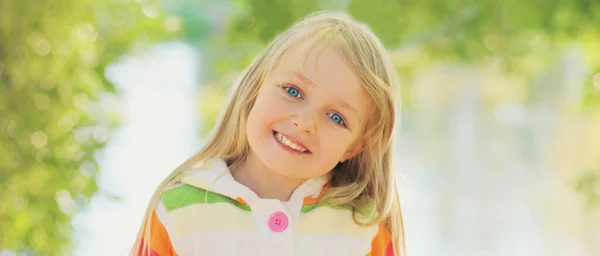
[309, 114]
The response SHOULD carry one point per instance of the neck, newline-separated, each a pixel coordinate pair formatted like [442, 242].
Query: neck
[266, 183]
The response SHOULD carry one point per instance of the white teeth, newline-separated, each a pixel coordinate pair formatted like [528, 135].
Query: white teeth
[288, 143]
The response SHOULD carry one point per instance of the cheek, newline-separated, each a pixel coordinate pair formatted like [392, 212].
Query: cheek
[275, 107]
[256, 116]
[267, 109]
[335, 144]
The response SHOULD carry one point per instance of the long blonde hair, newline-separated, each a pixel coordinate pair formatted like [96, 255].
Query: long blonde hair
[367, 177]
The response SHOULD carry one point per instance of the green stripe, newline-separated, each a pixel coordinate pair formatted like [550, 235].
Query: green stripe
[185, 195]
[307, 208]
[364, 210]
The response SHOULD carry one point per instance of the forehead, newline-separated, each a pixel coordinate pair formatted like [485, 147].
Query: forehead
[322, 63]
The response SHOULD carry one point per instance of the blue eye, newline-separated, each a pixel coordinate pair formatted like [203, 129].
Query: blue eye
[337, 119]
[292, 92]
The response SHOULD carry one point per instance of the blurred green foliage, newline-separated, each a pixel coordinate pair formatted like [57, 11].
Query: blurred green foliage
[52, 59]
[589, 185]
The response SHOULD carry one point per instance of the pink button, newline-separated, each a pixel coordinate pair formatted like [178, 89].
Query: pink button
[278, 221]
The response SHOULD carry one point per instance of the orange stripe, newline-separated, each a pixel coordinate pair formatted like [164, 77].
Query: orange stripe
[241, 201]
[310, 200]
[160, 241]
[382, 243]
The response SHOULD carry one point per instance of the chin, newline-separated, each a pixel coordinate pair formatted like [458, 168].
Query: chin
[281, 167]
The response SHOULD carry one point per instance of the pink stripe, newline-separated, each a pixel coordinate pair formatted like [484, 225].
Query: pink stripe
[390, 250]
[142, 251]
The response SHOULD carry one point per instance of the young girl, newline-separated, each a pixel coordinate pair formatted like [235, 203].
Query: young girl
[300, 163]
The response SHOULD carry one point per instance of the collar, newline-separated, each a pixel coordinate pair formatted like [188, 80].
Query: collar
[215, 176]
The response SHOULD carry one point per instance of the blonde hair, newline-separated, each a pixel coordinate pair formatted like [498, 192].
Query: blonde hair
[366, 179]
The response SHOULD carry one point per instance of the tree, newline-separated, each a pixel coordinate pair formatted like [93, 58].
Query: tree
[52, 59]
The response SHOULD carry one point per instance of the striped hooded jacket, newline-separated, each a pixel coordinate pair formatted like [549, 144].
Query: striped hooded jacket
[209, 213]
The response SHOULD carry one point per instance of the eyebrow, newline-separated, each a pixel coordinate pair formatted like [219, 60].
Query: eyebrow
[308, 81]
[302, 77]
[347, 106]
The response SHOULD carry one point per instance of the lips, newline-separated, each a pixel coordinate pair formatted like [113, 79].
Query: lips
[290, 143]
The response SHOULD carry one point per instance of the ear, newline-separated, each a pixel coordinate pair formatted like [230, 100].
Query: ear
[353, 150]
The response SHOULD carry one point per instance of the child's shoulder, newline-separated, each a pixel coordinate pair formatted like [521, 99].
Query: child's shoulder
[202, 187]
[182, 195]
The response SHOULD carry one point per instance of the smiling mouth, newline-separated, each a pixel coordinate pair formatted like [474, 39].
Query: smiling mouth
[289, 145]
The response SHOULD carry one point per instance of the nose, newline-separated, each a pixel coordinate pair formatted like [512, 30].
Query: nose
[305, 122]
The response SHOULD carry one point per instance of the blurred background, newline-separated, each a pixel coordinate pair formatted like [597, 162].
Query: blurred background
[500, 137]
